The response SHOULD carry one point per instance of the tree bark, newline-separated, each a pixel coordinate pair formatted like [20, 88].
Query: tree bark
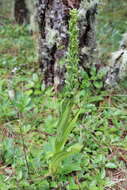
[53, 16]
[117, 68]
[32, 9]
[21, 13]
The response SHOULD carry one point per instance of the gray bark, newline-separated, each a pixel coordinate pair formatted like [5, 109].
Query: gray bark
[32, 9]
[117, 68]
[53, 16]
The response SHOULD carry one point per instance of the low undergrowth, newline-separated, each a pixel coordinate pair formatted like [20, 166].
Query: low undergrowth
[49, 142]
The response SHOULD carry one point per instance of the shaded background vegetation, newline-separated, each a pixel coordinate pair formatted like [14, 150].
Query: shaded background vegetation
[111, 25]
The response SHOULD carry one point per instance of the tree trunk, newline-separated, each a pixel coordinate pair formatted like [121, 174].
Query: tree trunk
[32, 8]
[117, 68]
[25, 12]
[53, 25]
[21, 13]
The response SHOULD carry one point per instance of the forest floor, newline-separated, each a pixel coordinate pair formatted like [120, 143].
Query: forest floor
[29, 115]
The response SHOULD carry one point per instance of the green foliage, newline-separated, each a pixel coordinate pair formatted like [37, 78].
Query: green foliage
[111, 26]
[64, 128]
[40, 136]
[72, 59]
[76, 77]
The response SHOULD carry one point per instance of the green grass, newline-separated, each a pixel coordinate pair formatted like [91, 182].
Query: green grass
[32, 118]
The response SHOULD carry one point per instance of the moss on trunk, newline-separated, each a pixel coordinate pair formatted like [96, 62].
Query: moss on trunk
[53, 17]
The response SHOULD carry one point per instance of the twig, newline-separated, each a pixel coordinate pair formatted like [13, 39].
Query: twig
[39, 131]
[24, 150]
